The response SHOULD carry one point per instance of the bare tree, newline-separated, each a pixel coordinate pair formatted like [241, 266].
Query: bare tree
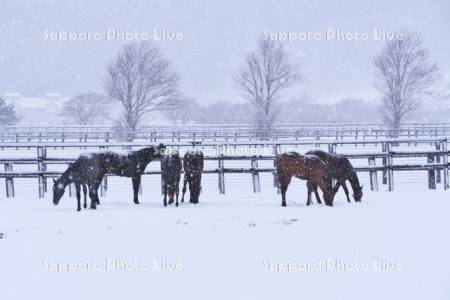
[267, 72]
[86, 109]
[8, 114]
[404, 76]
[143, 81]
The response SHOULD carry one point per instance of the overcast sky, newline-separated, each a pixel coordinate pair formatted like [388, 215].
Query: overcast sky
[216, 37]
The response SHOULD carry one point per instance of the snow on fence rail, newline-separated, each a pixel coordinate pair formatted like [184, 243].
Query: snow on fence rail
[437, 160]
[221, 132]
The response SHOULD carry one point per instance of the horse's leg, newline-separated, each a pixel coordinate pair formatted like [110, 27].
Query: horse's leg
[284, 185]
[136, 182]
[92, 195]
[165, 195]
[184, 187]
[77, 188]
[177, 192]
[98, 199]
[191, 190]
[317, 194]
[310, 187]
[85, 195]
[344, 186]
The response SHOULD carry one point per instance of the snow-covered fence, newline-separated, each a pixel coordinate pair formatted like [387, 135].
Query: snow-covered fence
[223, 133]
[437, 160]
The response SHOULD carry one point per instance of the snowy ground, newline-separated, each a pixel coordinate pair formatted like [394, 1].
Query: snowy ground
[232, 246]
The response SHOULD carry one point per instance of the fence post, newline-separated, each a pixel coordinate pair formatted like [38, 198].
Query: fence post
[390, 169]
[104, 186]
[275, 150]
[317, 136]
[107, 139]
[255, 176]
[445, 162]
[438, 160]
[41, 156]
[373, 175]
[332, 149]
[221, 176]
[384, 163]
[71, 189]
[9, 181]
[431, 174]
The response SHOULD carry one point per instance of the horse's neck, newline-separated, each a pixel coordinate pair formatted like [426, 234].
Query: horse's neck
[142, 158]
[66, 177]
[354, 181]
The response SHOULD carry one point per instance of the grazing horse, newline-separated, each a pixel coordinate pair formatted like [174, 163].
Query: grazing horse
[66, 179]
[193, 168]
[170, 175]
[306, 167]
[89, 169]
[341, 169]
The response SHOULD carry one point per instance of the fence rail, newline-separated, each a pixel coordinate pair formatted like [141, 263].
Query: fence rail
[437, 160]
[83, 134]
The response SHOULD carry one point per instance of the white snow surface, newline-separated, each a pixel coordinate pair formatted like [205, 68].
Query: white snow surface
[221, 248]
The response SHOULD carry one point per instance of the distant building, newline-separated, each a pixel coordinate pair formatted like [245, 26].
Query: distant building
[38, 111]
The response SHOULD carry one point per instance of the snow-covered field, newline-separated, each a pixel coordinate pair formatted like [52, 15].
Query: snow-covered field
[239, 245]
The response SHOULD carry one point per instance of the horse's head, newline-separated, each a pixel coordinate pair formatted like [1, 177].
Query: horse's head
[58, 191]
[159, 150]
[328, 198]
[358, 193]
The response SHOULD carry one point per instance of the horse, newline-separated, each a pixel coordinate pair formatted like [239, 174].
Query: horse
[170, 176]
[305, 167]
[341, 169]
[89, 169]
[193, 168]
[66, 179]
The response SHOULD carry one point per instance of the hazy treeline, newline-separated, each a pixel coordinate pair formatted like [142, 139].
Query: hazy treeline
[294, 111]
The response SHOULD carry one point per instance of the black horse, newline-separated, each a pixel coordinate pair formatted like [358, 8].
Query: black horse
[170, 176]
[89, 169]
[193, 168]
[341, 170]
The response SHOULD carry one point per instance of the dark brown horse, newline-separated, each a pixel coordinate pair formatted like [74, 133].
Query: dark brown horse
[342, 170]
[306, 167]
[193, 168]
[170, 175]
[88, 170]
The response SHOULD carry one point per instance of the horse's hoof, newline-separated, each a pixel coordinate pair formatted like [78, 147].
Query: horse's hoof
[176, 204]
[78, 209]
[283, 204]
[84, 206]
[136, 202]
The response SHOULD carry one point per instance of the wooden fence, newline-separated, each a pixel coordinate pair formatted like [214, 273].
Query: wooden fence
[225, 133]
[437, 160]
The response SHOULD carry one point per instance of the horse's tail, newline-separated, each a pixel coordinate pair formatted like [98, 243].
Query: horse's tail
[279, 172]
